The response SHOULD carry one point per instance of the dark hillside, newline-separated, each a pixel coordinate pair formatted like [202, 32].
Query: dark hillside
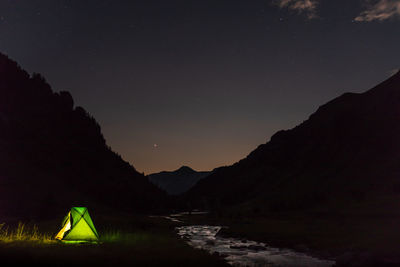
[53, 154]
[348, 151]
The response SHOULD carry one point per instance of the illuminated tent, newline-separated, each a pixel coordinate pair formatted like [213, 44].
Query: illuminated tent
[78, 226]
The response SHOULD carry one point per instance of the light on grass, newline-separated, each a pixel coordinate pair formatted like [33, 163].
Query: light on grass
[111, 236]
[23, 233]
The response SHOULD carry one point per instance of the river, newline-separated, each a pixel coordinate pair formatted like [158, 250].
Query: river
[238, 252]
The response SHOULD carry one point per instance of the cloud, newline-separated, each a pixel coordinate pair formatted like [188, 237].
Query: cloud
[307, 7]
[381, 10]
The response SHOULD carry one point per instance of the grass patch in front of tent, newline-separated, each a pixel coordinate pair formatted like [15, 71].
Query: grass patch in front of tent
[23, 233]
[115, 236]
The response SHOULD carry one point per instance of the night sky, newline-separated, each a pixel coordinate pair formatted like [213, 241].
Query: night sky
[201, 83]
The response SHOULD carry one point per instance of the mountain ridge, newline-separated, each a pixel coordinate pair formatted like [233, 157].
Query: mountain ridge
[53, 153]
[334, 154]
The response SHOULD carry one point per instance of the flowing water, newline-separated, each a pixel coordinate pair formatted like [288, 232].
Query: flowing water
[244, 252]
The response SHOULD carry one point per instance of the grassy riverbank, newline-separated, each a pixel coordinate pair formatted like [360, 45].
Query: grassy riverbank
[125, 240]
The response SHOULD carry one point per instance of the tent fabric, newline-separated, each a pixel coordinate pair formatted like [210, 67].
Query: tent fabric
[78, 226]
[66, 227]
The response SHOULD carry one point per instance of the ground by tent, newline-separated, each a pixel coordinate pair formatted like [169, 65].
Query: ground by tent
[78, 226]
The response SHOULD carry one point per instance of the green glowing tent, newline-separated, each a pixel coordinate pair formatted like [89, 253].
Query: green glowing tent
[78, 226]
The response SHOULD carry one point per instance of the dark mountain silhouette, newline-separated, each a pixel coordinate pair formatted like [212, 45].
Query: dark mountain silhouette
[348, 151]
[54, 156]
[179, 181]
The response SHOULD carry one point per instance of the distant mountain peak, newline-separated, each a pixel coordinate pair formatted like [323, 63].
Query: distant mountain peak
[178, 181]
[185, 169]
